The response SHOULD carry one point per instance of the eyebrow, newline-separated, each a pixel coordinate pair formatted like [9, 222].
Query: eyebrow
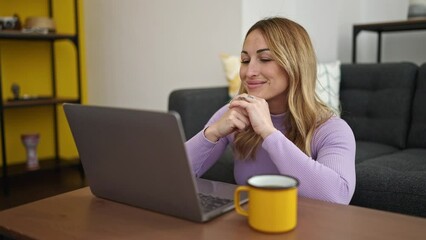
[258, 51]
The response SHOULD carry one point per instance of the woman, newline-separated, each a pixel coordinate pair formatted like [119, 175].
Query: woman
[277, 124]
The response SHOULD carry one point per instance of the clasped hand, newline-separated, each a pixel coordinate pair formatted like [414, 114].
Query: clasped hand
[244, 111]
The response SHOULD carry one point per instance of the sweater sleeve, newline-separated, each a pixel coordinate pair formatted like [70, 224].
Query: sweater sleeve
[203, 153]
[329, 177]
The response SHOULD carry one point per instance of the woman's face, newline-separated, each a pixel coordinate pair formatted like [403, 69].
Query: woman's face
[261, 75]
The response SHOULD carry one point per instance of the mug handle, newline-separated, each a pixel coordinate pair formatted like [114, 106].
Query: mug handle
[237, 195]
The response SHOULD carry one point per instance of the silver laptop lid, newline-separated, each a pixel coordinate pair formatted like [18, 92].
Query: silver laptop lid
[138, 158]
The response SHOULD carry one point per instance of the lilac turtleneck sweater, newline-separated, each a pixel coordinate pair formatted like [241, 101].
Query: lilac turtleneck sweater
[328, 175]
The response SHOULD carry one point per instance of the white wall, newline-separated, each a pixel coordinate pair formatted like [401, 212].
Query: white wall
[319, 18]
[138, 51]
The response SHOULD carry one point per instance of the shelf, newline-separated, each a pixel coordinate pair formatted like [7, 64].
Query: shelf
[45, 165]
[39, 102]
[17, 35]
[52, 100]
[412, 24]
[383, 27]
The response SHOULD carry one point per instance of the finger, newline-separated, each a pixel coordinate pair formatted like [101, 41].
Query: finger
[247, 98]
[240, 96]
[239, 114]
[240, 110]
[239, 104]
[250, 97]
[241, 124]
[244, 119]
[243, 97]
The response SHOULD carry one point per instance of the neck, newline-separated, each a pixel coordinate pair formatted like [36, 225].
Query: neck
[276, 108]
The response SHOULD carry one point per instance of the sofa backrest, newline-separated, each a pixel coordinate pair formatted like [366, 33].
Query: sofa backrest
[376, 100]
[417, 134]
[196, 106]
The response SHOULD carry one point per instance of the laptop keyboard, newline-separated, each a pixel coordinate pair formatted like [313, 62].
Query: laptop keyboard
[209, 203]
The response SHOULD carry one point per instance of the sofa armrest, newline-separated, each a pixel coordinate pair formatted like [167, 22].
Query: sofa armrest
[196, 106]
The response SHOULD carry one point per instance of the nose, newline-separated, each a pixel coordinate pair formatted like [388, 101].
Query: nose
[253, 69]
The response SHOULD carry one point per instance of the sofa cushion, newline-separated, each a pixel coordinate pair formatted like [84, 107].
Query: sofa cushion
[367, 150]
[376, 100]
[417, 134]
[395, 182]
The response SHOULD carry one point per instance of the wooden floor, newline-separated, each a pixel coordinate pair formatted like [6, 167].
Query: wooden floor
[32, 186]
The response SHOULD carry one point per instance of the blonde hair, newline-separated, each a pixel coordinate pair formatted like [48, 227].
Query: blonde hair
[292, 49]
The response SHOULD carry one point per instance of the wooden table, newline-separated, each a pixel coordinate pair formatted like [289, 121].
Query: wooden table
[80, 215]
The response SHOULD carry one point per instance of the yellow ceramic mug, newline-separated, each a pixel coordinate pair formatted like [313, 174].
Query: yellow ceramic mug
[272, 205]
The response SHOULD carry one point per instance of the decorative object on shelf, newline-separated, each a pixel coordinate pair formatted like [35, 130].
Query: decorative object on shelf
[16, 90]
[17, 96]
[42, 25]
[10, 23]
[30, 142]
[417, 9]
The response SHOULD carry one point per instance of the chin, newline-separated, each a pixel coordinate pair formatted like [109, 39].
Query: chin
[256, 94]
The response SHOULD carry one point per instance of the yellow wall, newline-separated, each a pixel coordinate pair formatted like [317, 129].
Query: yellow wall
[28, 64]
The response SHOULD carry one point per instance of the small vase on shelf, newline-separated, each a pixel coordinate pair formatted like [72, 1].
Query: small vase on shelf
[30, 142]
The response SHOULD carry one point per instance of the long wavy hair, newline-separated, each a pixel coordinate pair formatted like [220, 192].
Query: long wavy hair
[292, 49]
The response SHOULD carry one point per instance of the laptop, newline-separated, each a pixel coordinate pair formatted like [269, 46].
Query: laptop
[138, 158]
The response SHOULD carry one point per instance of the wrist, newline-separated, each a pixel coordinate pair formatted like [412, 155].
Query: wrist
[209, 134]
[268, 132]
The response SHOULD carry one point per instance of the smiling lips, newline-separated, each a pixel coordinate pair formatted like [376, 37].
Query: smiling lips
[252, 84]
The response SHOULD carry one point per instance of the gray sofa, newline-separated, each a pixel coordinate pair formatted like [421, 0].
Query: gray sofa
[385, 105]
